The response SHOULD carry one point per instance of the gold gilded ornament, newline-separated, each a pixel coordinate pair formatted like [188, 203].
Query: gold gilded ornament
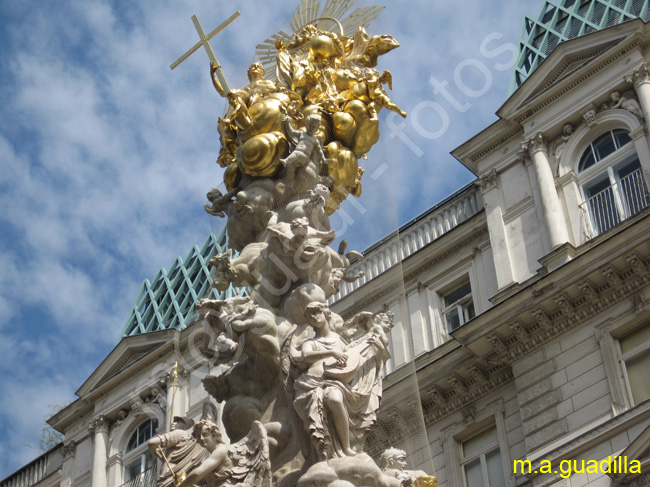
[345, 128]
[232, 176]
[343, 166]
[426, 481]
[259, 156]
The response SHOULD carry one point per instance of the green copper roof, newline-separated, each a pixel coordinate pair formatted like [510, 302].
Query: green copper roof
[170, 300]
[561, 20]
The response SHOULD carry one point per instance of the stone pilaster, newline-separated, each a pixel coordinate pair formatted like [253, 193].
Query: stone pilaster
[537, 149]
[69, 450]
[489, 185]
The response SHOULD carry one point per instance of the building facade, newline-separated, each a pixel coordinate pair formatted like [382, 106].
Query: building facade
[520, 354]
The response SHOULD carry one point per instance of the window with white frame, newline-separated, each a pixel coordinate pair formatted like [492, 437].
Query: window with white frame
[612, 181]
[137, 458]
[458, 306]
[635, 363]
[481, 460]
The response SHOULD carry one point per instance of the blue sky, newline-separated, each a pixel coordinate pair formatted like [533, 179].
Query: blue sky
[106, 156]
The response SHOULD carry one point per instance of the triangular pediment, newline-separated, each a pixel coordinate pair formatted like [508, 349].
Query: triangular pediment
[567, 65]
[570, 61]
[126, 356]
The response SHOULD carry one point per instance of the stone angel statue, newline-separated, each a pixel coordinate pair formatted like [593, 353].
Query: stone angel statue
[243, 463]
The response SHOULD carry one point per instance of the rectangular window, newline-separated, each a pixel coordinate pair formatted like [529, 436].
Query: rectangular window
[481, 460]
[635, 362]
[459, 306]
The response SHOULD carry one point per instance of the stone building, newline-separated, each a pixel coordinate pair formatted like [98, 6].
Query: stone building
[521, 302]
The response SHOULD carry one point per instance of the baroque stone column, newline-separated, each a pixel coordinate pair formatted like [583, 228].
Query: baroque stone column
[537, 148]
[99, 429]
[640, 79]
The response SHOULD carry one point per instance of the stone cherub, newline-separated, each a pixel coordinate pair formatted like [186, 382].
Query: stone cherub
[379, 98]
[393, 464]
[243, 270]
[243, 463]
[304, 162]
[561, 141]
[312, 207]
[220, 203]
[626, 102]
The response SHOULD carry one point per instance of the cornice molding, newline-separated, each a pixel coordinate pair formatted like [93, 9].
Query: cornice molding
[518, 130]
[462, 392]
[544, 325]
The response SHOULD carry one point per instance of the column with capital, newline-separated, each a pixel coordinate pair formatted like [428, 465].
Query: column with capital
[640, 79]
[99, 430]
[554, 221]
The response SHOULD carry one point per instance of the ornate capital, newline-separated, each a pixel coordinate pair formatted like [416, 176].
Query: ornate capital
[69, 449]
[535, 144]
[100, 425]
[489, 181]
[639, 76]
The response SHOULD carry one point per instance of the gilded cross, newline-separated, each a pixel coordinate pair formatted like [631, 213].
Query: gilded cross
[205, 42]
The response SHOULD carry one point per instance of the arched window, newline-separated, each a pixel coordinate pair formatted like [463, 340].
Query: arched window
[612, 181]
[137, 459]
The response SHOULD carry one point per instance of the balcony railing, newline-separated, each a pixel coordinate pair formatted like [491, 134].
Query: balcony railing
[145, 479]
[614, 204]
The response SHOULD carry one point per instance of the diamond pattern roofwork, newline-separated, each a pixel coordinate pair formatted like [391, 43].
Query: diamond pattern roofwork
[561, 20]
[169, 301]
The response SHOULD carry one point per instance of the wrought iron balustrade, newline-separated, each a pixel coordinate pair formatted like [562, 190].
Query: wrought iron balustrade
[614, 204]
[145, 479]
